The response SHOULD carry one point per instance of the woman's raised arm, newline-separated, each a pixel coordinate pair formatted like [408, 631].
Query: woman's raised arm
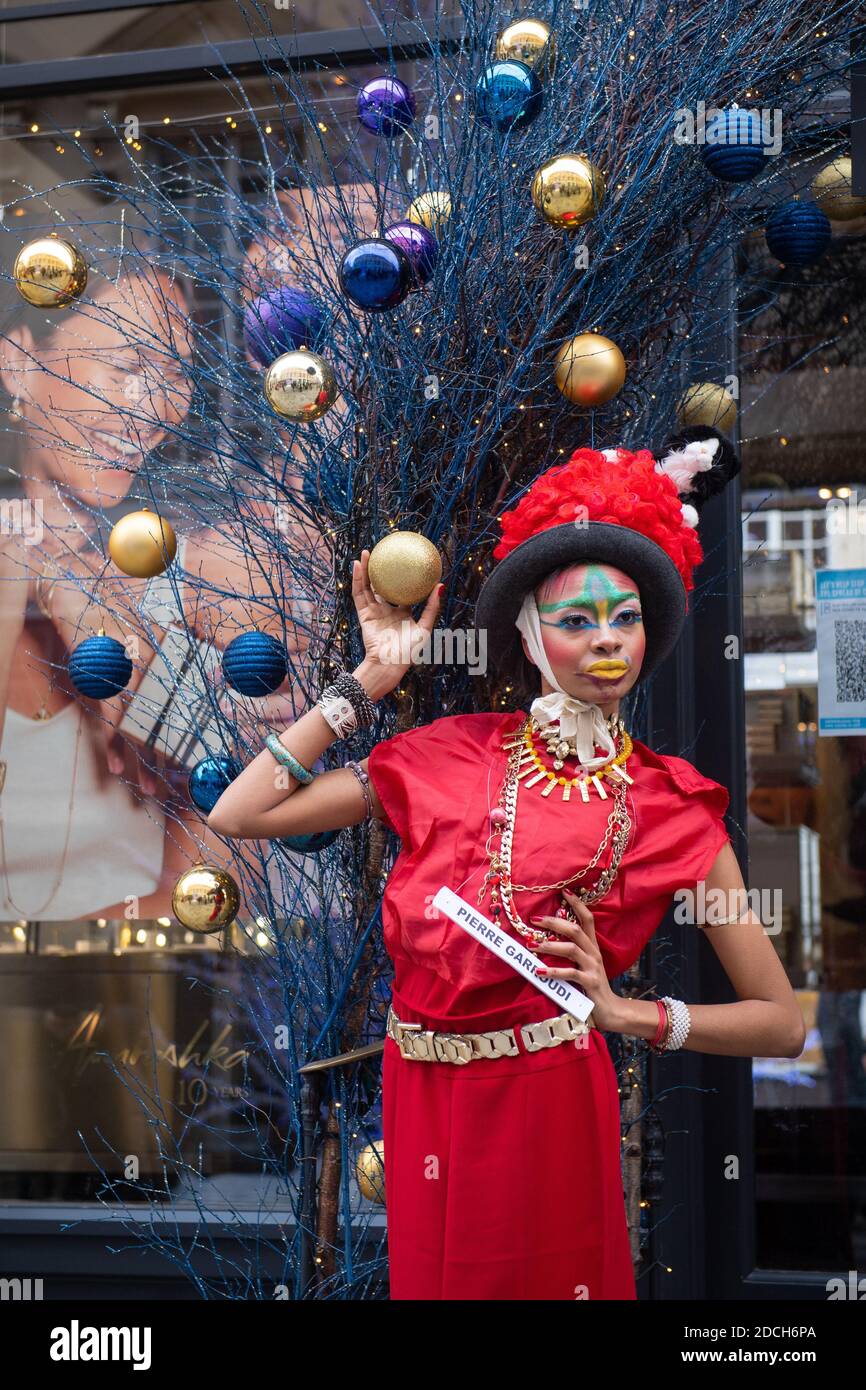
[266, 801]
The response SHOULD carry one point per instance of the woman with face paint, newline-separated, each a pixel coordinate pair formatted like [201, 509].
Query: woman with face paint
[501, 1111]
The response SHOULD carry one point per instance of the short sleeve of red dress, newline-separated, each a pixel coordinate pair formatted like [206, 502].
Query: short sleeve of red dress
[424, 775]
[709, 802]
[408, 777]
[677, 834]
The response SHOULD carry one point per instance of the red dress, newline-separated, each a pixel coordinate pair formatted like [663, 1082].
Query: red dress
[503, 1177]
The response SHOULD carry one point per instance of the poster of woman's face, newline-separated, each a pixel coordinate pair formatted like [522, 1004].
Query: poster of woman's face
[97, 820]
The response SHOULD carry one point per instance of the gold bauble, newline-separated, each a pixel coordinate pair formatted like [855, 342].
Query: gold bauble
[530, 41]
[142, 544]
[403, 567]
[432, 210]
[707, 403]
[50, 273]
[300, 386]
[590, 369]
[568, 190]
[831, 189]
[205, 898]
[370, 1171]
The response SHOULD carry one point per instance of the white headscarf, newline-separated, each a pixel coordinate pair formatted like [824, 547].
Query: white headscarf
[578, 719]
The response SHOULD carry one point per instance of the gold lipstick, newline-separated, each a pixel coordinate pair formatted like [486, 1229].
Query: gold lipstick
[608, 670]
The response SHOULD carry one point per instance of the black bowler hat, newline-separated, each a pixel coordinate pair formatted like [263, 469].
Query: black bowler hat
[629, 512]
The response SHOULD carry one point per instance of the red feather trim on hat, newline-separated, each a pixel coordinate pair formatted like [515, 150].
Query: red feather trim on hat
[628, 492]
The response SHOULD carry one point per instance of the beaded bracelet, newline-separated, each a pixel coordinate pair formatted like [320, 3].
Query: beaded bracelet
[364, 780]
[679, 1023]
[287, 759]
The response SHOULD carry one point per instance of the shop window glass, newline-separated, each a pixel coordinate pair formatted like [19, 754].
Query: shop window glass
[104, 997]
[805, 478]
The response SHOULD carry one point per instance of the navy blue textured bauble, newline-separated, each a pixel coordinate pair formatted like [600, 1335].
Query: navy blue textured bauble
[508, 95]
[798, 233]
[310, 844]
[209, 779]
[255, 663]
[99, 667]
[375, 275]
[282, 319]
[419, 246]
[737, 152]
[386, 106]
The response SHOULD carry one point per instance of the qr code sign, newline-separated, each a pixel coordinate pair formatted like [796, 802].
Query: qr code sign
[850, 638]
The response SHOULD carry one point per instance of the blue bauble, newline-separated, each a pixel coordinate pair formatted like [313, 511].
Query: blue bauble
[386, 106]
[282, 319]
[99, 668]
[209, 779]
[740, 156]
[508, 95]
[310, 844]
[798, 233]
[419, 246]
[255, 663]
[375, 275]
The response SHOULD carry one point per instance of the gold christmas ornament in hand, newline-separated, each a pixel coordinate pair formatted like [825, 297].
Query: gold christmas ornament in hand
[589, 369]
[529, 41]
[50, 273]
[832, 191]
[707, 403]
[205, 898]
[142, 544]
[431, 210]
[568, 190]
[370, 1171]
[300, 386]
[404, 567]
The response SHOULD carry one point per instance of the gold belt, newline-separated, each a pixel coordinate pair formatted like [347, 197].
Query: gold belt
[419, 1044]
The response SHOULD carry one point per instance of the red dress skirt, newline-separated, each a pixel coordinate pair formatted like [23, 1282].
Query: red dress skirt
[503, 1177]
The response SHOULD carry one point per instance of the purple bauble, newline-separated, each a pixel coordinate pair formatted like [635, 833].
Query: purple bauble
[386, 106]
[418, 245]
[281, 320]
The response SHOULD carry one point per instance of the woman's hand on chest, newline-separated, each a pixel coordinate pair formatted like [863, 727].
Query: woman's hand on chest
[582, 964]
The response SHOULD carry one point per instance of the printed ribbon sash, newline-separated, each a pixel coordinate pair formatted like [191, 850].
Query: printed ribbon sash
[514, 953]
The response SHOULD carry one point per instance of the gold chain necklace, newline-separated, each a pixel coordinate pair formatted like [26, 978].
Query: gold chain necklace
[503, 819]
